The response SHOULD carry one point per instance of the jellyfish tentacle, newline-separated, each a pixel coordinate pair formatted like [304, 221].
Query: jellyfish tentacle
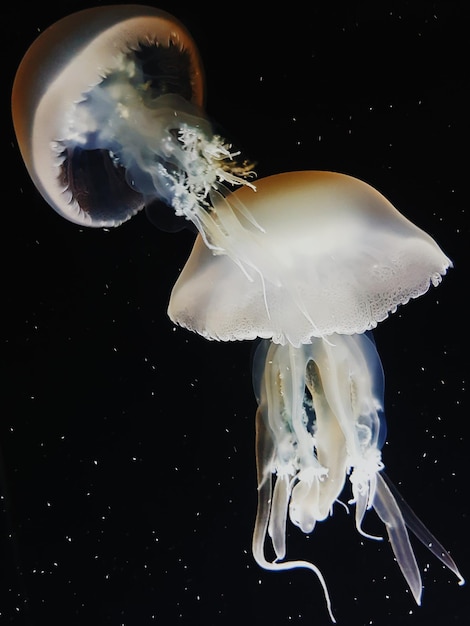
[237, 205]
[265, 451]
[362, 507]
[421, 532]
[278, 522]
[264, 459]
[389, 512]
[355, 370]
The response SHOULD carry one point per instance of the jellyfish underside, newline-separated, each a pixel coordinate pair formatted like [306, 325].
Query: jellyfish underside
[114, 120]
[108, 111]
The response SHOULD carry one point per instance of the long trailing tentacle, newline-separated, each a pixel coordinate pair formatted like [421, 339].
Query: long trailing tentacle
[389, 512]
[420, 531]
[265, 452]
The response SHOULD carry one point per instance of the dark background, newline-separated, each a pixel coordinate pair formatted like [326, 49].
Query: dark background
[127, 445]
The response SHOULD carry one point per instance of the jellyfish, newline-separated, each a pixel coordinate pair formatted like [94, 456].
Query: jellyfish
[107, 106]
[332, 258]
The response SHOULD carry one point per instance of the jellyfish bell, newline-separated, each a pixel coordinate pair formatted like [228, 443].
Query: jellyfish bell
[328, 259]
[329, 254]
[107, 107]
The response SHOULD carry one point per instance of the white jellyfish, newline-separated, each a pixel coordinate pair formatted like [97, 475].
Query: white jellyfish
[331, 259]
